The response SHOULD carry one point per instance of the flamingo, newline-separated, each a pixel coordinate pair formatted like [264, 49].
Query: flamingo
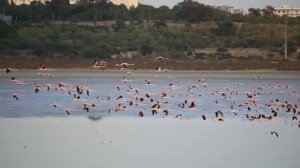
[141, 114]
[101, 64]
[124, 65]
[42, 67]
[7, 70]
[275, 133]
[161, 59]
[15, 95]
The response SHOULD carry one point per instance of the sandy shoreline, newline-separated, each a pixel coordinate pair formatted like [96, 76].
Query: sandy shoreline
[146, 142]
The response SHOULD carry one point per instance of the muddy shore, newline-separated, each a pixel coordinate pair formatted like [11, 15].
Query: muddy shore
[152, 64]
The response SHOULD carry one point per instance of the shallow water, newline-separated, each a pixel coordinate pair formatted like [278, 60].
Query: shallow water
[103, 84]
[145, 142]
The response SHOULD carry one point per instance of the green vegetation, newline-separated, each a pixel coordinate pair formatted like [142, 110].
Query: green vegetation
[225, 28]
[101, 10]
[6, 31]
[69, 40]
[100, 29]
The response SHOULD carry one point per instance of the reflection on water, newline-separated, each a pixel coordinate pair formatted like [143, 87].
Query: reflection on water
[212, 91]
[95, 117]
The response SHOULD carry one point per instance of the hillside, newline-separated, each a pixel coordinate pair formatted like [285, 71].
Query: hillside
[134, 41]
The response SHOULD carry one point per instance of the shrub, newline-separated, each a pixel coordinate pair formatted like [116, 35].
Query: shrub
[240, 44]
[119, 24]
[225, 28]
[146, 49]
[6, 30]
[160, 24]
[222, 49]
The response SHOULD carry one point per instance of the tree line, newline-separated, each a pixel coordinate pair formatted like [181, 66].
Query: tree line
[101, 10]
[70, 40]
[143, 29]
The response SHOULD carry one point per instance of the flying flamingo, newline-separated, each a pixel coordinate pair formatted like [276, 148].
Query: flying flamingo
[124, 65]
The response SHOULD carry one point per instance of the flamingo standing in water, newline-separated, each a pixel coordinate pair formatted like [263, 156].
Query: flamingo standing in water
[42, 67]
[7, 70]
[193, 104]
[124, 79]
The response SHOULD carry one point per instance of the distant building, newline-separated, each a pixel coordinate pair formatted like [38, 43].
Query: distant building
[127, 3]
[6, 18]
[233, 10]
[27, 2]
[74, 1]
[286, 10]
[230, 9]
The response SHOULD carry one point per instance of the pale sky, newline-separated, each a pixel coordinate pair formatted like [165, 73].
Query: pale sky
[244, 4]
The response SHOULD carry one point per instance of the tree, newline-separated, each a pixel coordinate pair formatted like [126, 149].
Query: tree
[142, 12]
[160, 24]
[268, 11]
[6, 30]
[117, 12]
[4, 3]
[20, 12]
[163, 13]
[83, 2]
[119, 24]
[146, 49]
[192, 11]
[99, 9]
[225, 28]
[38, 11]
[254, 12]
[60, 8]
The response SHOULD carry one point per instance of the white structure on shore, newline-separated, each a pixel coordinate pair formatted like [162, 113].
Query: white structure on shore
[74, 1]
[230, 9]
[286, 10]
[27, 2]
[127, 3]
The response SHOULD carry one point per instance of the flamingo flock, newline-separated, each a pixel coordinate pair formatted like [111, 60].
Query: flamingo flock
[169, 98]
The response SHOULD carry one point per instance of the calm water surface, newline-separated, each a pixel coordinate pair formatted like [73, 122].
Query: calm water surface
[283, 86]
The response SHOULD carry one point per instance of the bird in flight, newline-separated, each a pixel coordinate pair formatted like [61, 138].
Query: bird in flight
[124, 65]
[274, 133]
[161, 59]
